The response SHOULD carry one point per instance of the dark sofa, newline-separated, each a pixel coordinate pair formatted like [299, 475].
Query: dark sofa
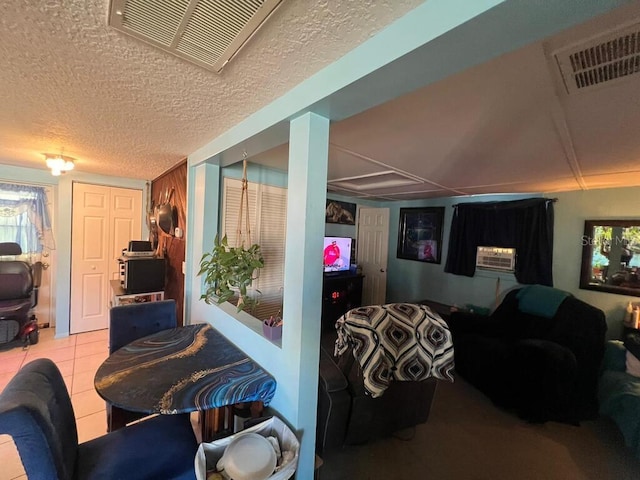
[348, 414]
[538, 354]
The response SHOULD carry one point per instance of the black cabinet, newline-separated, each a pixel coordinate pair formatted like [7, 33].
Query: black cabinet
[340, 293]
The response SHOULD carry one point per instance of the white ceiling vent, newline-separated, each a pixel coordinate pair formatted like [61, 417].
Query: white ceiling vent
[371, 181]
[600, 61]
[205, 32]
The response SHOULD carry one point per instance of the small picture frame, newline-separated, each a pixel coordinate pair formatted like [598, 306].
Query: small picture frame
[340, 212]
[420, 234]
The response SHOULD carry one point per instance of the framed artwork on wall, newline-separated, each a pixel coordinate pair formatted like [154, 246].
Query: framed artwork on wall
[611, 256]
[340, 212]
[420, 234]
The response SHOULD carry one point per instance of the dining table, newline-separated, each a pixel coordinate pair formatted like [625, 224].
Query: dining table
[181, 370]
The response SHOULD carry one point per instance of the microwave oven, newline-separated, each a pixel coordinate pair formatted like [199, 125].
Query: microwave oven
[142, 274]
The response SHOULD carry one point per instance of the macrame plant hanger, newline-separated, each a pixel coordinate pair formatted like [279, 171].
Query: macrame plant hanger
[244, 205]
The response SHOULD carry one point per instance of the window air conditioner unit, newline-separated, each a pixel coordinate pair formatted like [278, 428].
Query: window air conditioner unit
[496, 258]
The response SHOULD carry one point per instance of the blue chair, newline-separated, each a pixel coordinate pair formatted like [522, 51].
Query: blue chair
[36, 410]
[126, 324]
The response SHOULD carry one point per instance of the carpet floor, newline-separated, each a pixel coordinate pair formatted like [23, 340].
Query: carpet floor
[468, 438]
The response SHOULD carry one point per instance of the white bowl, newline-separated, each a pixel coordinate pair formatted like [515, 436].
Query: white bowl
[249, 456]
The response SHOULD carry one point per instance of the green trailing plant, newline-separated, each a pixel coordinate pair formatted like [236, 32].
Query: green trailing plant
[230, 270]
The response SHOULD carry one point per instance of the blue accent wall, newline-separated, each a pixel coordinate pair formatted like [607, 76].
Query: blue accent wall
[408, 54]
[339, 230]
[63, 187]
[409, 280]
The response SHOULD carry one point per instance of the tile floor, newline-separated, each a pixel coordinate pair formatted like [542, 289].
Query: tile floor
[78, 357]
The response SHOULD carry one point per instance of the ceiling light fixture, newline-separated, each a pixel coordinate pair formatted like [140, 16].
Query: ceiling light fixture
[58, 164]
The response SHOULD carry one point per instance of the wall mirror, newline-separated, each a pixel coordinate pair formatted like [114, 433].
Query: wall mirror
[611, 256]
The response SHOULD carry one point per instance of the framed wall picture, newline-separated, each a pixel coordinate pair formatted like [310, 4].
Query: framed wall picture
[340, 212]
[420, 234]
[611, 256]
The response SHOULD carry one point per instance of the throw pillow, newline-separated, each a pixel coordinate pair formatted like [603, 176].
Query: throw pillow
[540, 300]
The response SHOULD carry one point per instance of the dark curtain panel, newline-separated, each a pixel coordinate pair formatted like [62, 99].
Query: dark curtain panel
[526, 225]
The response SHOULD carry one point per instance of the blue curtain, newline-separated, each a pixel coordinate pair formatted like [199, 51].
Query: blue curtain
[525, 224]
[24, 218]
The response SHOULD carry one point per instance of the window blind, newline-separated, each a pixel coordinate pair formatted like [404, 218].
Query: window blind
[267, 216]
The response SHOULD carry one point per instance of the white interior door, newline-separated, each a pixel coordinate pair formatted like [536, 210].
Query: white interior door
[104, 220]
[373, 244]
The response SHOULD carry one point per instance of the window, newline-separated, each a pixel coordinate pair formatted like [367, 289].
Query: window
[268, 217]
[526, 225]
[24, 218]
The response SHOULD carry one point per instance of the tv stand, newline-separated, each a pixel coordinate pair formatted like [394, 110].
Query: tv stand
[336, 274]
[340, 293]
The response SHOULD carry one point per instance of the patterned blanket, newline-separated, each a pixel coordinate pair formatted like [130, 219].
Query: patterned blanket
[397, 341]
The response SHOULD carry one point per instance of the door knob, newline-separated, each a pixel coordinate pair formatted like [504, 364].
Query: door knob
[45, 265]
[382, 270]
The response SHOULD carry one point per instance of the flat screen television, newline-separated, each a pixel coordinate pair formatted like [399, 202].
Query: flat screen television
[336, 256]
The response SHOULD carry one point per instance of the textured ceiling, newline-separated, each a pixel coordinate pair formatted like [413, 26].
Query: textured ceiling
[70, 83]
[504, 126]
[122, 107]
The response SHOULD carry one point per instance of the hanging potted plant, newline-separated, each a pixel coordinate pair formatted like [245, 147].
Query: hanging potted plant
[229, 271]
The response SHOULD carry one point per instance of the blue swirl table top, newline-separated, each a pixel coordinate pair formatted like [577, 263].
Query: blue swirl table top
[182, 370]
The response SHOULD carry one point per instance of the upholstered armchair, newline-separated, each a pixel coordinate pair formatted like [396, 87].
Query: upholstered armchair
[538, 354]
[36, 410]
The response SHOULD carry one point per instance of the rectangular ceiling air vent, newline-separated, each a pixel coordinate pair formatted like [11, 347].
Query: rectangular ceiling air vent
[601, 60]
[205, 32]
[384, 179]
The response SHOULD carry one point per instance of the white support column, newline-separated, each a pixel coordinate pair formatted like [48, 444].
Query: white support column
[308, 156]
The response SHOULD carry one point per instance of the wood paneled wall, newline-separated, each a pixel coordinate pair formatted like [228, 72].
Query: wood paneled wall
[171, 247]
